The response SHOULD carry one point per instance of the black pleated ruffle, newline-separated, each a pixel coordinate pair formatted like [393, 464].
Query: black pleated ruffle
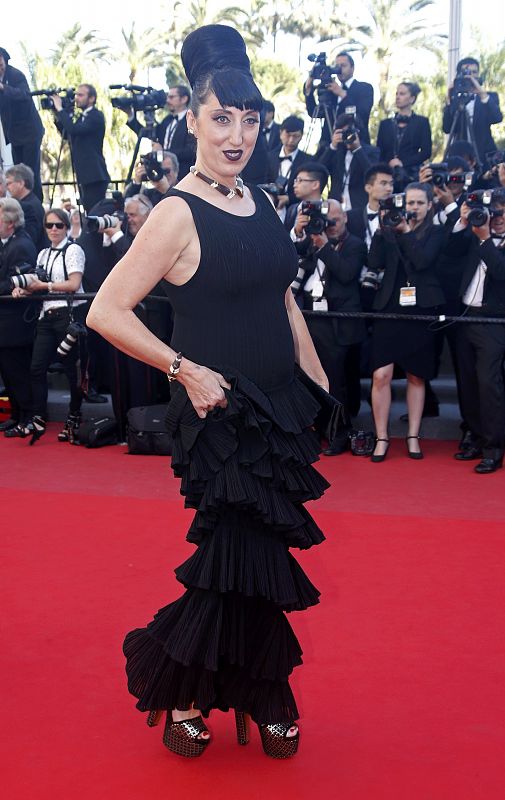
[226, 642]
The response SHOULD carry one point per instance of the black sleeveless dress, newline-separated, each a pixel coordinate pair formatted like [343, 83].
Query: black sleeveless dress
[226, 642]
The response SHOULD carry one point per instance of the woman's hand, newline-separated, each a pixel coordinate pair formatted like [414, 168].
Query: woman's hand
[205, 388]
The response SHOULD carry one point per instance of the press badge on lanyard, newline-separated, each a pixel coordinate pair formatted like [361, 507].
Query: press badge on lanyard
[408, 295]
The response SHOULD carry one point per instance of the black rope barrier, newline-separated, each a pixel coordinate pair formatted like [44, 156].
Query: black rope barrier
[441, 318]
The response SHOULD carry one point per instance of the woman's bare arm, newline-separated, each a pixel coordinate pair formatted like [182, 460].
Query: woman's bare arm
[305, 352]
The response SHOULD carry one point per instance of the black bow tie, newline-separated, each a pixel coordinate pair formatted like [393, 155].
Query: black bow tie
[285, 158]
[373, 216]
[402, 118]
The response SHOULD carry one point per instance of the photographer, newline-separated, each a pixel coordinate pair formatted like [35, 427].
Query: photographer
[406, 249]
[347, 160]
[478, 238]
[328, 280]
[17, 322]
[61, 267]
[21, 122]
[86, 136]
[271, 129]
[161, 174]
[477, 109]
[285, 162]
[364, 222]
[405, 140]
[20, 184]
[341, 94]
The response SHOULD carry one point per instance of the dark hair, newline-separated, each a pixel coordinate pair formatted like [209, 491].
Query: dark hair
[268, 106]
[315, 171]
[376, 169]
[183, 91]
[61, 214]
[292, 124]
[462, 148]
[4, 53]
[348, 56]
[215, 60]
[348, 119]
[91, 90]
[456, 162]
[413, 88]
[421, 187]
[470, 60]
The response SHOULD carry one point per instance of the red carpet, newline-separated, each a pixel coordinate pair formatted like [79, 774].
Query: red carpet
[402, 692]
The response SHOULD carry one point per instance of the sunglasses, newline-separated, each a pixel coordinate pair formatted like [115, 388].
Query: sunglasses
[59, 225]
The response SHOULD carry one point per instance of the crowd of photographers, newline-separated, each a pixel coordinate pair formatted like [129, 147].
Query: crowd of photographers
[377, 227]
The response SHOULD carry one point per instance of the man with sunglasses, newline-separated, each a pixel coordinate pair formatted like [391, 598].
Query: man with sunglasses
[156, 192]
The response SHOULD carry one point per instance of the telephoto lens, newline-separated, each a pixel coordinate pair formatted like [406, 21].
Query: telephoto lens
[74, 330]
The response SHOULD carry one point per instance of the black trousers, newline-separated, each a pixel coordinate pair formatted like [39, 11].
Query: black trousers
[15, 370]
[51, 330]
[29, 154]
[92, 193]
[480, 354]
[332, 356]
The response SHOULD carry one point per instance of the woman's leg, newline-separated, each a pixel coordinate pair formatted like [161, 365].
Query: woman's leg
[415, 404]
[381, 404]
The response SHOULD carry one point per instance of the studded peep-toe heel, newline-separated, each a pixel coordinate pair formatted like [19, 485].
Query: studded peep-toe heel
[274, 738]
[184, 737]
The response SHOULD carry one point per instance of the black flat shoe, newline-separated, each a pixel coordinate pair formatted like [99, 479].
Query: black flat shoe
[488, 465]
[468, 453]
[376, 459]
[413, 453]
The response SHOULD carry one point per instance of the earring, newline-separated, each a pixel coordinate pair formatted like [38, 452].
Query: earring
[191, 131]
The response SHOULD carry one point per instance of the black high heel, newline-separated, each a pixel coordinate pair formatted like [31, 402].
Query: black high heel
[274, 738]
[19, 431]
[68, 434]
[377, 459]
[183, 737]
[38, 428]
[412, 454]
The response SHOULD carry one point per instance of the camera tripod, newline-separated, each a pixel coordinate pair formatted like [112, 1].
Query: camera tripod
[52, 186]
[149, 131]
[321, 111]
[462, 128]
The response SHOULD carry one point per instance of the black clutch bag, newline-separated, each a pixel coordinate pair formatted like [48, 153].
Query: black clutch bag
[330, 417]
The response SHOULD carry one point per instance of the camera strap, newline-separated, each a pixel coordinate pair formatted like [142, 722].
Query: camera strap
[57, 251]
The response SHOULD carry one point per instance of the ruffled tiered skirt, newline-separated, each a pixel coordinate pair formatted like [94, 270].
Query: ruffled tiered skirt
[226, 643]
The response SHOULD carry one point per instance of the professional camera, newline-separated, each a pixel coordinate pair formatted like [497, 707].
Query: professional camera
[371, 279]
[481, 205]
[276, 188]
[318, 211]
[322, 75]
[495, 158]
[439, 174]
[395, 209]
[141, 98]
[74, 330]
[97, 224]
[350, 134]
[463, 86]
[46, 100]
[152, 165]
[27, 274]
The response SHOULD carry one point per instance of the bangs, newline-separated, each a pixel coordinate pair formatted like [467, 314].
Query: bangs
[234, 88]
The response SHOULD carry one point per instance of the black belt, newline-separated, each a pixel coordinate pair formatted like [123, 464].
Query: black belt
[54, 312]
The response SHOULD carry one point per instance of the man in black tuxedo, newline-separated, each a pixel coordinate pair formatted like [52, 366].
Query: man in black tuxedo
[271, 130]
[17, 319]
[309, 184]
[21, 122]
[481, 346]
[344, 93]
[479, 109]
[85, 135]
[286, 161]
[332, 262]
[20, 183]
[348, 160]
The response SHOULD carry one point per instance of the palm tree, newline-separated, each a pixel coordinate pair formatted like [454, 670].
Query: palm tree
[141, 50]
[74, 45]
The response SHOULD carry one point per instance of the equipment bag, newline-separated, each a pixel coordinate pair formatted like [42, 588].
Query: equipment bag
[97, 432]
[147, 433]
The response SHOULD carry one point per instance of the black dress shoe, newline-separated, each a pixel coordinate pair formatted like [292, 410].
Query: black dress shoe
[469, 453]
[93, 397]
[7, 424]
[489, 465]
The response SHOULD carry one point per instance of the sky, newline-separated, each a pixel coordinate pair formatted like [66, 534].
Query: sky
[41, 29]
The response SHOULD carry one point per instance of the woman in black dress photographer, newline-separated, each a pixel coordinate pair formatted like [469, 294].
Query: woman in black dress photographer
[407, 255]
[405, 140]
[240, 419]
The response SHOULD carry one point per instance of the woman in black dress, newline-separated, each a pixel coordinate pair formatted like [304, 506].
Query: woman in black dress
[240, 419]
[405, 140]
[407, 255]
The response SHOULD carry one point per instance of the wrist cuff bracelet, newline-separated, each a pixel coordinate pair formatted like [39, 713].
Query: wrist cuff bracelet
[174, 368]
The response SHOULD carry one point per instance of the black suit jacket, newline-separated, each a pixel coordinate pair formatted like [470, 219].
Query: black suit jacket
[34, 220]
[466, 245]
[414, 146]
[274, 139]
[359, 95]
[15, 330]
[419, 258]
[362, 159]
[20, 119]
[86, 136]
[485, 115]
[301, 158]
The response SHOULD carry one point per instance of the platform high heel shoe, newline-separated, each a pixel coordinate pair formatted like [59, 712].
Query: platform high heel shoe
[69, 432]
[181, 737]
[37, 427]
[274, 738]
